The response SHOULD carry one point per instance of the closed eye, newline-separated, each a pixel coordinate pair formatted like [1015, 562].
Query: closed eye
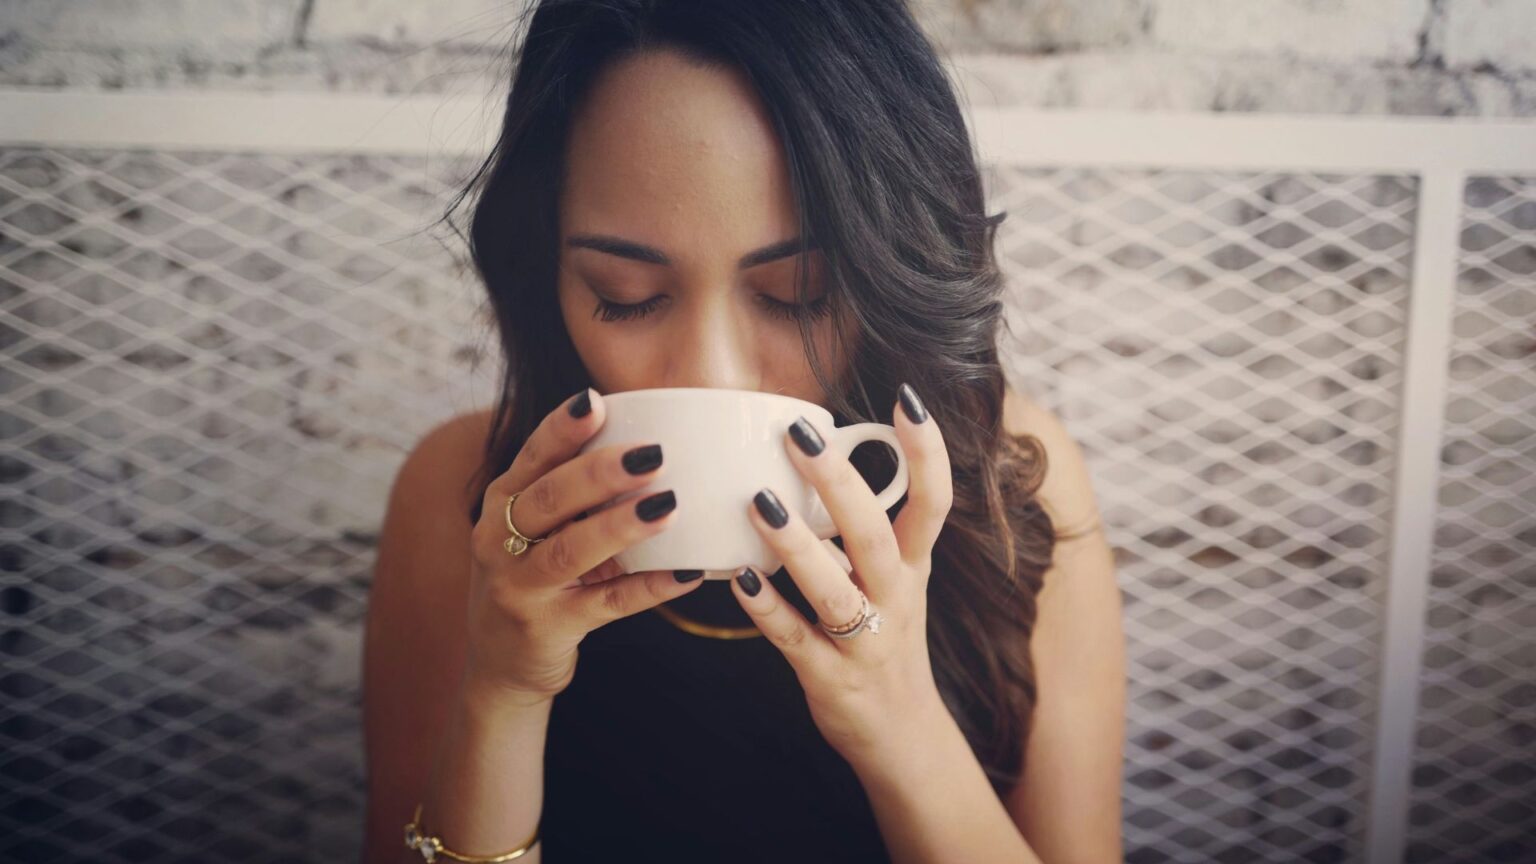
[811, 310]
[610, 311]
[607, 310]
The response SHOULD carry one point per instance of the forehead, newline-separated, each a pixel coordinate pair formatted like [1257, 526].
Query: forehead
[667, 152]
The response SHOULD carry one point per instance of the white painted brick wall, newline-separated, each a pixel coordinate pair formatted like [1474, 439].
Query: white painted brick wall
[1436, 57]
[1359, 31]
[1031, 25]
[1497, 32]
[1171, 81]
[163, 24]
[417, 22]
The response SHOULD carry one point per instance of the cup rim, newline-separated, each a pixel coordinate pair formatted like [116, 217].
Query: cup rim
[709, 393]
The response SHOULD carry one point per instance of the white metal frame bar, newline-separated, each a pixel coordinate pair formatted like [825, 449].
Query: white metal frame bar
[1415, 491]
[319, 122]
[1440, 152]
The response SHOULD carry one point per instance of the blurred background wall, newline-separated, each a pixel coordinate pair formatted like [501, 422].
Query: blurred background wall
[214, 362]
[1432, 57]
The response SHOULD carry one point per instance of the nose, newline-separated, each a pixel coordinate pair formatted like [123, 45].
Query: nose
[711, 345]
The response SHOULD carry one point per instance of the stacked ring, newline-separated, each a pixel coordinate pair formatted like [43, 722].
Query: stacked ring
[867, 619]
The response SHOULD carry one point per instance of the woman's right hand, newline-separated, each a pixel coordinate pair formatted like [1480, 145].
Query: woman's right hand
[528, 612]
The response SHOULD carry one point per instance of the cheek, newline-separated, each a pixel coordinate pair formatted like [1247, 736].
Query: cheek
[784, 356]
[791, 367]
[617, 357]
[586, 335]
[833, 349]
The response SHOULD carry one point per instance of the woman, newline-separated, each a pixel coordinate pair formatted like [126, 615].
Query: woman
[778, 196]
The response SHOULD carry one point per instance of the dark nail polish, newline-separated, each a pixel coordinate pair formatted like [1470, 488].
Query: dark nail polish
[912, 405]
[806, 438]
[749, 582]
[654, 507]
[768, 505]
[687, 575]
[581, 406]
[642, 459]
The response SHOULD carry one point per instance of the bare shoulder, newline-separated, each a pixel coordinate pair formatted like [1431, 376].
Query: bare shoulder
[1068, 805]
[448, 454]
[1067, 491]
[415, 620]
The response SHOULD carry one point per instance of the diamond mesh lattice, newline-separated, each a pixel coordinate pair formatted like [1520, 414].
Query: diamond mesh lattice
[1228, 349]
[1474, 780]
[213, 366]
[214, 363]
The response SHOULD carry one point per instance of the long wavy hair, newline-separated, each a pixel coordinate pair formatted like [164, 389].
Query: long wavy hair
[885, 180]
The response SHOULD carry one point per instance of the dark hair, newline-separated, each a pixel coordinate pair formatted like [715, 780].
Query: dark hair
[885, 180]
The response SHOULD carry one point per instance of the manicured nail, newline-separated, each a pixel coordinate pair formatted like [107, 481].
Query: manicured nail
[911, 404]
[642, 459]
[581, 406]
[749, 581]
[768, 505]
[806, 438]
[687, 575]
[654, 507]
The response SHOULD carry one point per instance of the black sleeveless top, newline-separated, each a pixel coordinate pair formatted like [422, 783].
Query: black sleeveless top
[670, 746]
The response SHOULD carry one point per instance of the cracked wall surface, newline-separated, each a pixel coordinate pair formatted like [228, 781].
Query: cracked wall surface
[1424, 57]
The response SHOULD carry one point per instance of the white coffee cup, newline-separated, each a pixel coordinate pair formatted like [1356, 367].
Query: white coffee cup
[719, 447]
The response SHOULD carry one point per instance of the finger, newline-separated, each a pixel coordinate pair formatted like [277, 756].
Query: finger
[930, 492]
[802, 643]
[837, 555]
[825, 584]
[582, 483]
[609, 569]
[625, 595]
[862, 523]
[556, 439]
[578, 547]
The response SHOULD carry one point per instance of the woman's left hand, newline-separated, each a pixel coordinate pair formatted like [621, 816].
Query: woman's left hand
[870, 693]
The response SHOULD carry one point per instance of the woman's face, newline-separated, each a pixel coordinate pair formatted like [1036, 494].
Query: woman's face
[677, 201]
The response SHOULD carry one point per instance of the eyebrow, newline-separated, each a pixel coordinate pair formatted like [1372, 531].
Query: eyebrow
[628, 249]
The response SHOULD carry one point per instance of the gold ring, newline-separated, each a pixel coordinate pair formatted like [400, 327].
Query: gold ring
[519, 542]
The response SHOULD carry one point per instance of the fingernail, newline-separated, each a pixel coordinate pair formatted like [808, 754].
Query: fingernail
[749, 581]
[581, 406]
[912, 405]
[642, 459]
[687, 575]
[654, 507]
[768, 505]
[806, 438]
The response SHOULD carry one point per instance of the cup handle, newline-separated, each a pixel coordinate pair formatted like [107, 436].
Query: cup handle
[844, 439]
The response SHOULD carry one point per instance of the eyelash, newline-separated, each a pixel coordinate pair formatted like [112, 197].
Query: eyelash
[813, 310]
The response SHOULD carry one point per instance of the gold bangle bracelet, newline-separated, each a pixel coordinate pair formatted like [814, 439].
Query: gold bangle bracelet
[431, 847]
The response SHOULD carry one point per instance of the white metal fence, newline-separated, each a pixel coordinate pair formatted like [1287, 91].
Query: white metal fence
[1298, 352]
